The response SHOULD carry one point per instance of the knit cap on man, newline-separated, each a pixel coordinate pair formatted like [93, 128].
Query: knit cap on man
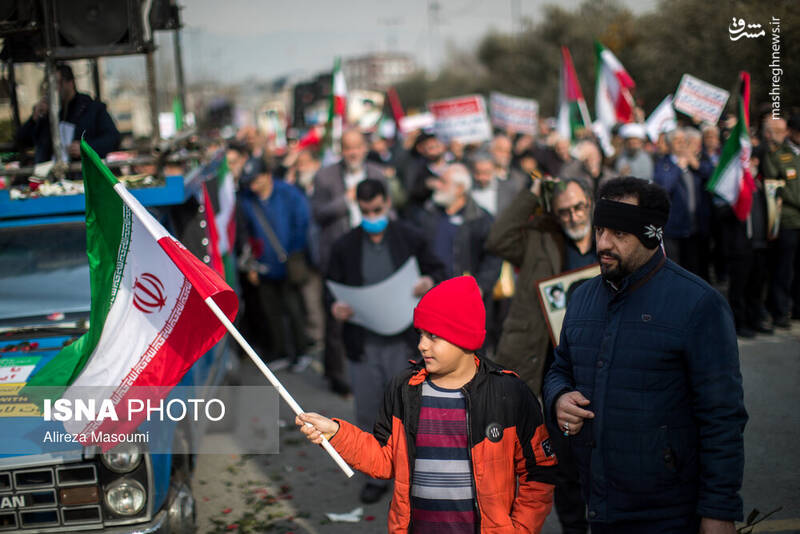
[454, 310]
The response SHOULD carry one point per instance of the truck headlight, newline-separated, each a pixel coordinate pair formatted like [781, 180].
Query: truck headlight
[123, 458]
[125, 497]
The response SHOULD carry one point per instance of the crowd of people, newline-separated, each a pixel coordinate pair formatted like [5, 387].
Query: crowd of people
[463, 197]
[517, 208]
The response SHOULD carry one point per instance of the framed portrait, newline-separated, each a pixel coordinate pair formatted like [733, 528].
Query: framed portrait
[555, 292]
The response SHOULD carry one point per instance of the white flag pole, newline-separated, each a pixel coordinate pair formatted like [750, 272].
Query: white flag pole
[274, 381]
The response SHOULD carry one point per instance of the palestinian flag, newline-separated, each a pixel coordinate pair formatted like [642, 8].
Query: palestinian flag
[572, 112]
[732, 179]
[613, 102]
[337, 106]
[149, 321]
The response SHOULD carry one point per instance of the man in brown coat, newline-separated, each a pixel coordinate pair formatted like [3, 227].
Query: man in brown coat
[540, 245]
[543, 244]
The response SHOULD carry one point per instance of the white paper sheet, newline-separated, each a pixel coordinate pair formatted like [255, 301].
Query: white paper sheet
[387, 307]
[67, 130]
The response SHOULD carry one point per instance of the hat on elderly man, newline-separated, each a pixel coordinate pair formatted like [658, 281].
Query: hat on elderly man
[633, 130]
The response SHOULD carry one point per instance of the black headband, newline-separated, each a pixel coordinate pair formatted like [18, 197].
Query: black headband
[644, 223]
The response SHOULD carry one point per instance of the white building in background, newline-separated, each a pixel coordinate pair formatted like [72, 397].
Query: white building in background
[377, 71]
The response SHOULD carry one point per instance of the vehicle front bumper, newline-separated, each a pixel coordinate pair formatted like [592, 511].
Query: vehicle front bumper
[158, 525]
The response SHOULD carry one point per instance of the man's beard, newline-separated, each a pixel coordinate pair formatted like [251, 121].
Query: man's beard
[578, 233]
[354, 167]
[614, 274]
[442, 198]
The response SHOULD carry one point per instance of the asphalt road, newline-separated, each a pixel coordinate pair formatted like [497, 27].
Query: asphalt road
[293, 490]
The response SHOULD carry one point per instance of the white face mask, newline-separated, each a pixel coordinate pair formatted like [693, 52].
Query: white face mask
[305, 178]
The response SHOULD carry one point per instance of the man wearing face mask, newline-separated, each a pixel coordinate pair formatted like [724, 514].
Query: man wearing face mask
[334, 208]
[366, 255]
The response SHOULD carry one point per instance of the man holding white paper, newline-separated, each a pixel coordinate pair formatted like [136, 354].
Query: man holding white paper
[368, 255]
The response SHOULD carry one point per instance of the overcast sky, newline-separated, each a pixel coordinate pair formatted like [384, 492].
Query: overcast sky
[239, 39]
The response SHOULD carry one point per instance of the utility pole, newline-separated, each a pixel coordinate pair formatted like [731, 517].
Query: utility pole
[434, 10]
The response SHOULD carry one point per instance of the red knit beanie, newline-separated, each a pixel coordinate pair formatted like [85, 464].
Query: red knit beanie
[454, 311]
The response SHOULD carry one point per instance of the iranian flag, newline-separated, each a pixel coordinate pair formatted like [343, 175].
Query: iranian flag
[150, 316]
[613, 102]
[572, 112]
[732, 179]
[225, 218]
[338, 105]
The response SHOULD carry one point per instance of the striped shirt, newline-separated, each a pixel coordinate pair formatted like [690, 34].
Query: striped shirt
[441, 489]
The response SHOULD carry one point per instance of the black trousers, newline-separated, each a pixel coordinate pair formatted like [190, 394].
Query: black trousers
[567, 497]
[334, 353]
[253, 319]
[747, 281]
[283, 308]
[783, 256]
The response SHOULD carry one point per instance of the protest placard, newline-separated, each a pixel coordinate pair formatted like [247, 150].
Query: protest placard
[463, 119]
[420, 121]
[700, 99]
[513, 113]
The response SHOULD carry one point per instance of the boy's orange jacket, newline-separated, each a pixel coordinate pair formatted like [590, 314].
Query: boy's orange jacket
[507, 440]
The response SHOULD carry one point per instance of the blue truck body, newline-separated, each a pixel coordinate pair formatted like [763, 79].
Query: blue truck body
[51, 490]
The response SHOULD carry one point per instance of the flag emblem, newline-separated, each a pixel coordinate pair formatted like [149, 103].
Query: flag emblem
[148, 293]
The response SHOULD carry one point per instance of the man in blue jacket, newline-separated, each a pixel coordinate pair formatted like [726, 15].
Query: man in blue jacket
[274, 222]
[646, 381]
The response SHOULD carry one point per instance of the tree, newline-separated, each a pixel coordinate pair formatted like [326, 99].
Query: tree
[657, 48]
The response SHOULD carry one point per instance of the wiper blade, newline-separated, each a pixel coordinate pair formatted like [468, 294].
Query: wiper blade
[66, 329]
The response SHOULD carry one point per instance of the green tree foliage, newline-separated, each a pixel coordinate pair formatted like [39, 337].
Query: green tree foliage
[657, 48]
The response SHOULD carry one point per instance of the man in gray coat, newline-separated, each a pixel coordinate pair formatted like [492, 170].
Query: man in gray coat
[334, 208]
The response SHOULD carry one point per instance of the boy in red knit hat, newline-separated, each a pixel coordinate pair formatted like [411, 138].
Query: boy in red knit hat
[462, 437]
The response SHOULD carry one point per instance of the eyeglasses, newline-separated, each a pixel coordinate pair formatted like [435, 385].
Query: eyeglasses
[371, 212]
[578, 209]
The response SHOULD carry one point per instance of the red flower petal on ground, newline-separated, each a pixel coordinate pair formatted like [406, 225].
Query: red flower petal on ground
[369, 518]
[227, 510]
[232, 526]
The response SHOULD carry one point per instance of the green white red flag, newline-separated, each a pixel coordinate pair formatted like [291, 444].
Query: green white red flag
[148, 320]
[225, 218]
[338, 105]
[572, 112]
[732, 179]
[613, 102]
